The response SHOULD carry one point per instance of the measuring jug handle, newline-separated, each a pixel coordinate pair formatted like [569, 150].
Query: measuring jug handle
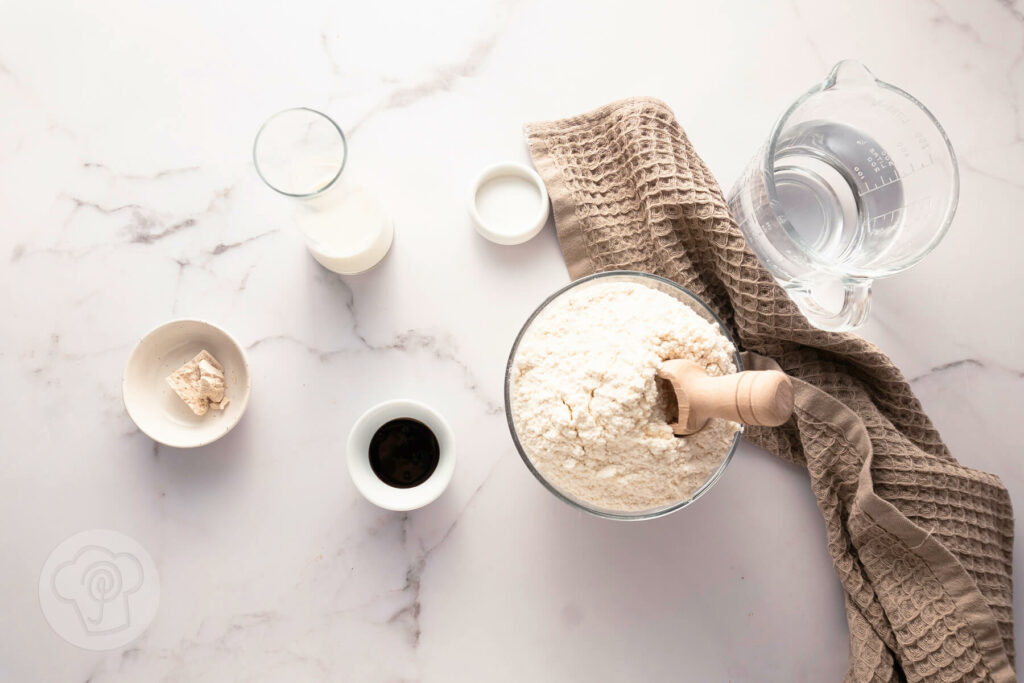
[853, 311]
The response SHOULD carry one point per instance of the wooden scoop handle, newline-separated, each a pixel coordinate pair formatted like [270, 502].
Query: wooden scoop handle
[753, 397]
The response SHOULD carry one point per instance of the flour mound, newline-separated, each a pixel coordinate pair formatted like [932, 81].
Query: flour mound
[586, 405]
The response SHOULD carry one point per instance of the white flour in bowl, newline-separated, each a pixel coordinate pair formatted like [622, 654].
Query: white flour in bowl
[586, 405]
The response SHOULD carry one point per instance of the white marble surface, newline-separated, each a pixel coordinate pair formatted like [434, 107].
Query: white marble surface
[127, 197]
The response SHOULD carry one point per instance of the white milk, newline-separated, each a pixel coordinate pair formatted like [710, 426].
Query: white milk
[347, 231]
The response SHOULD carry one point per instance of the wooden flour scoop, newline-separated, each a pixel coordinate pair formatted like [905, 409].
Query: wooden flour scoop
[753, 397]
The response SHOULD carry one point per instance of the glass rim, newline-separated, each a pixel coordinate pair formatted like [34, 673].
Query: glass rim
[768, 171]
[597, 511]
[268, 121]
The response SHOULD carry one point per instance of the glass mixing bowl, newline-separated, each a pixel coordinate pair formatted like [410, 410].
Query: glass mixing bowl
[661, 284]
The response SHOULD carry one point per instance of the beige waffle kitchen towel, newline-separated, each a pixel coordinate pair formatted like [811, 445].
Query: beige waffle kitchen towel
[921, 544]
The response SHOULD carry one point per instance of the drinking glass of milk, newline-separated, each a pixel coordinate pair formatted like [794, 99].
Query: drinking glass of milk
[301, 153]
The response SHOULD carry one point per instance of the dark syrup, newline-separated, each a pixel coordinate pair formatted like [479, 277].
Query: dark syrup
[404, 453]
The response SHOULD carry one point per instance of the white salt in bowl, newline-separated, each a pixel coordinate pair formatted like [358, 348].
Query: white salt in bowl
[151, 402]
[508, 203]
[662, 285]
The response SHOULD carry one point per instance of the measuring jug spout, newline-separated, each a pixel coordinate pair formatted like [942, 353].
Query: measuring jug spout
[849, 73]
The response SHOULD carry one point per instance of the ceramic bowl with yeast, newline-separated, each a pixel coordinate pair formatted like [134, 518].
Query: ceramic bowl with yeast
[153, 405]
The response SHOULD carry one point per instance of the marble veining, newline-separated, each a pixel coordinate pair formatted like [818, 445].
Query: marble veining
[128, 197]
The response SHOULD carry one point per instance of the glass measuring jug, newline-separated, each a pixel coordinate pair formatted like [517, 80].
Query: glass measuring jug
[857, 181]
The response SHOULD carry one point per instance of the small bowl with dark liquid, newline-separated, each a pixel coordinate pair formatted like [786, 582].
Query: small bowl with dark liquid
[401, 455]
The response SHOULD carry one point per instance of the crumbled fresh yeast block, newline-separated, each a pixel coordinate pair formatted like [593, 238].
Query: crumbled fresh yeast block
[200, 383]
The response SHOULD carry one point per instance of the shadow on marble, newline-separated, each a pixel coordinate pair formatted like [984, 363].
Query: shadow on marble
[513, 258]
[203, 466]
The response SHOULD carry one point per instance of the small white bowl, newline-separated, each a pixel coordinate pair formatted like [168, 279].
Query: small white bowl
[375, 490]
[151, 402]
[535, 213]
